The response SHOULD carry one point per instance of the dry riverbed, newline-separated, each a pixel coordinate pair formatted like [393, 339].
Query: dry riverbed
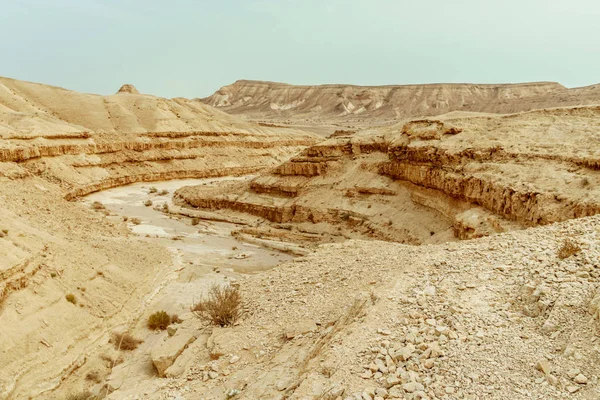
[203, 253]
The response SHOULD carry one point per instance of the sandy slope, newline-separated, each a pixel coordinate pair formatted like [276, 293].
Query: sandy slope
[57, 145]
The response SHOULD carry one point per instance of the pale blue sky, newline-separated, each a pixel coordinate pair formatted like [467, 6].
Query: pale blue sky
[191, 48]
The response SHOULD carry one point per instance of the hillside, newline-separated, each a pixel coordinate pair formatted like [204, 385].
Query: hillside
[270, 100]
[57, 145]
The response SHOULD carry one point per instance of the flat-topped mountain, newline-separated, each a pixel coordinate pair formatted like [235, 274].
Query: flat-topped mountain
[270, 100]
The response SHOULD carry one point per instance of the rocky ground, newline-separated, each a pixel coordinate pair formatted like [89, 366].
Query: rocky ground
[502, 317]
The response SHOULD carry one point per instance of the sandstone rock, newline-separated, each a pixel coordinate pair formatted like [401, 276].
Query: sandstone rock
[581, 379]
[128, 88]
[544, 366]
[411, 387]
[165, 353]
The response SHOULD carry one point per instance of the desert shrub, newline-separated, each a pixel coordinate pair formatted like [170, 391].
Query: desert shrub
[165, 208]
[153, 189]
[71, 298]
[568, 249]
[222, 306]
[195, 221]
[148, 203]
[98, 206]
[164, 192]
[136, 221]
[53, 274]
[5, 231]
[159, 320]
[124, 341]
[93, 376]
[215, 355]
[125, 218]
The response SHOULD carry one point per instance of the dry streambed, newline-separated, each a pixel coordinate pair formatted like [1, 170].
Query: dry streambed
[204, 252]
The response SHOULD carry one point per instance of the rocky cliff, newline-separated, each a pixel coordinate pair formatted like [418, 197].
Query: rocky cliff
[474, 176]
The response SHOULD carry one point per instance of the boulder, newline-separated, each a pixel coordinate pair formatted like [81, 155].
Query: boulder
[165, 353]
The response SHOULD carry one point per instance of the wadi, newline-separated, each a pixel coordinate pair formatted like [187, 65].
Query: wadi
[274, 241]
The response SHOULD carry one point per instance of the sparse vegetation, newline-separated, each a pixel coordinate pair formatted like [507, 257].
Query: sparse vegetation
[165, 208]
[71, 298]
[153, 189]
[195, 221]
[53, 274]
[164, 192]
[159, 320]
[215, 355]
[5, 231]
[222, 306]
[98, 206]
[568, 249]
[125, 341]
[136, 221]
[148, 203]
[93, 376]
[125, 218]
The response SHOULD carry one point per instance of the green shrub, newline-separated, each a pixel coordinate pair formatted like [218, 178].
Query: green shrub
[71, 298]
[159, 320]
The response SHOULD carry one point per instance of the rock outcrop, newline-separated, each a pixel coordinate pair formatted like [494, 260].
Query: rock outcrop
[128, 88]
[475, 176]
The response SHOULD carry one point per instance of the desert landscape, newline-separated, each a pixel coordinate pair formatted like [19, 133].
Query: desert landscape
[437, 241]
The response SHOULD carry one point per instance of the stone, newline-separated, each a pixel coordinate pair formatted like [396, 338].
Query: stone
[411, 387]
[572, 389]
[404, 353]
[572, 373]
[165, 353]
[234, 359]
[391, 381]
[213, 375]
[544, 366]
[581, 379]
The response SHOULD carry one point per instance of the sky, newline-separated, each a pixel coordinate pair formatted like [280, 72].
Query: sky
[190, 48]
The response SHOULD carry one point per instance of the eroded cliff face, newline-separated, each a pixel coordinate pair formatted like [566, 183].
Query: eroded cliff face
[473, 176]
[278, 101]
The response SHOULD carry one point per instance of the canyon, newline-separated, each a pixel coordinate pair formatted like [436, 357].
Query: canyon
[393, 242]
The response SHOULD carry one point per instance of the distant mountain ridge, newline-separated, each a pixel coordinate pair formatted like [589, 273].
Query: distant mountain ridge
[273, 100]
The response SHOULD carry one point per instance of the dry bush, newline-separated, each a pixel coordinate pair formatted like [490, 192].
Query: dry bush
[93, 376]
[568, 249]
[148, 203]
[71, 298]
[159, 320]
[195, 221]
[215, 356]
[98, 206]
[165, 208]
[111, 361]
[124, 341]
[222, 306]
[164, 192]
[136, 221]
[153, 189]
